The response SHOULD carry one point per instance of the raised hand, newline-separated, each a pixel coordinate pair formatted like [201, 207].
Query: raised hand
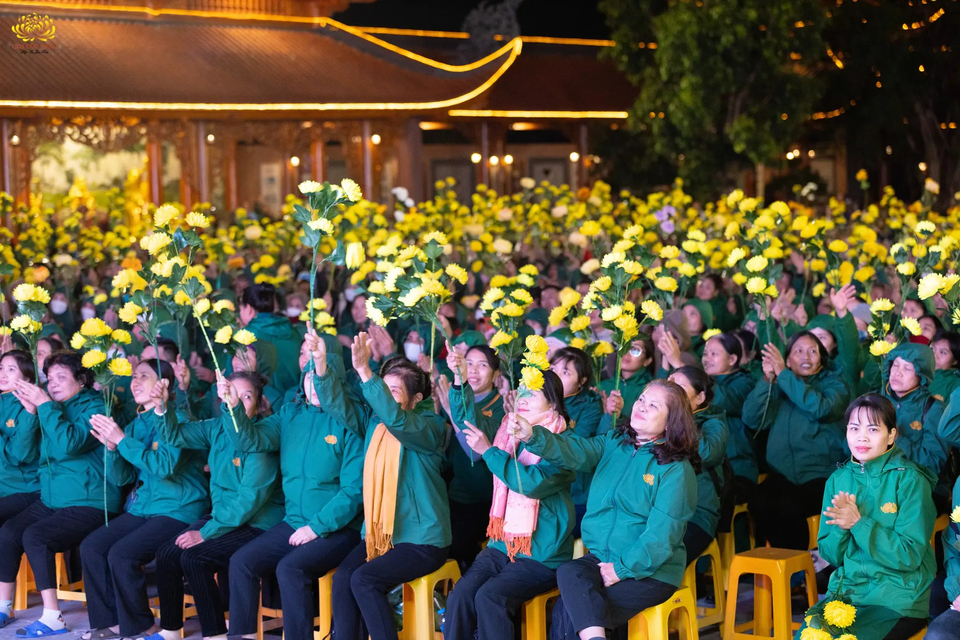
[441, 392]
[843, 512]
[841, 299]
[613, 403]
[160, 395]
[476, 439]
[519, 427]
[360, 352]
[318, 351]
[457, 365]
[106, 430]
[775, 359]
[28, 393]
[228, 393]
[670, 350]
[182, 373]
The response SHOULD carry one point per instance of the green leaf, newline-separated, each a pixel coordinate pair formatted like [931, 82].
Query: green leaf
[302, 214]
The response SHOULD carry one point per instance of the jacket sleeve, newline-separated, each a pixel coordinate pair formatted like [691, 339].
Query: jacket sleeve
[23, 445]
[848, 349]
[262, 437]
[673, 505]
[713, 441]
[256, 488]
[119, 471]
[933, 450]
[538, 481]
[158, 457]
[821, 402]
[463, 395]
[567, 450]
[950, 422]
[832, 541]
[951, 551]
[62, 438]
[342, 508]
[188, 435]
[588, 421]
[336, 401]
[756, 403]
[902, 547]
[410, 428]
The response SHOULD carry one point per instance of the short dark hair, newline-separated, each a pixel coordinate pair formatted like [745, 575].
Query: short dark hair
[553, 393]
[488, 353]
[717, 281]
[24, 362]
[681, 439]
[168, 345]
[261, 297]
[56, 344]
[936, 322]
[415, 379]
[953, 340]
[166, 370]
[74, 362]
[879, 408]
[257, 382]
[699, 380]
[731, 344]
[579, 358]
[824, 354]
[748, 340]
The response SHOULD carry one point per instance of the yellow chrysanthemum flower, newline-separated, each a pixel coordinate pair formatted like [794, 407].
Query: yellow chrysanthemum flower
[665, 283]
[512, 310]
[881, 305]
[569, 297]
[736, 255]
[611, 313]
[323, 225]
[351, 189]
[756, 285]
[25, 324]
[652, 310]
[929, 285]
[601, 284]
[95, 328]
[223, 305]
[538, 360]
[154, 243]
[580, 323]
[202, 306]
[31, 293]
[501, 338]
[669, 252]
[413, 296]
[530, 270]
[93, 358]
[602, 348]
[121, 337]
[164, 215]
[589, 266]
[881, 348]
[531, 378]
[244, 337]
[120, 367]
[182, 299]
[838, 246]
[355, 256]
[77, 341]
[309, 186]
[129, 312]
[536, 344]
[223, 335]
[912, 325]
[578, 343]
[809, 633]
[439, 236]
[757, 264]
[557, 315]
[906, 269]
[198, 220]
[926, 227]
[839, 614]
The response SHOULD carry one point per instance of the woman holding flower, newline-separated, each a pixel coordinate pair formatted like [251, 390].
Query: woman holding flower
[71, 484]
[946, 626]
[801, 402]
[946, 354]
[878, 519]
[172, 492]
[19, 442]
[643, 494]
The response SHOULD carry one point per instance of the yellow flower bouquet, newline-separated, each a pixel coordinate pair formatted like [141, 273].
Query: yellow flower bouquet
[32, 303]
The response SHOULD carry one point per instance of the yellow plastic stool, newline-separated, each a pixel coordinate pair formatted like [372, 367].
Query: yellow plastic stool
[707, 616]
[275, 621]
[654, 623]
[919, 634]
[728, 545]
[533, 616]
[418, 602]
[189, 608]
[813, 530]
[25, 584]
[941, 523]
[325, 619]
[68, 590]
[773, 569]
[579, 550]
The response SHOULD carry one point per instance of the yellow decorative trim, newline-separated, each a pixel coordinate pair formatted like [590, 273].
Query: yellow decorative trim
[416, 33]
[516, 45]
[580, 42]
[571, 115]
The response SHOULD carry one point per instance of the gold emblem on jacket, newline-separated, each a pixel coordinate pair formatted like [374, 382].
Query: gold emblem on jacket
[11, 423]
[156, 445]
[916, 425]
[890, 507]
[648, 478]
[236, 462]
[331, 439]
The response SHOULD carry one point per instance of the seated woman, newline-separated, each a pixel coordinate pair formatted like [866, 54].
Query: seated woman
[246, 499]
[531, 523]
[405, 506]
[946, 355]
[46, 346]
[19, 442]
[73, 492]
[644, 492]
[801, 403]
[321, 465]
[722, 357]
[712, 427]
[636, 370]
[878, 519]
[946, 626]
[171, 493]
[470, 488]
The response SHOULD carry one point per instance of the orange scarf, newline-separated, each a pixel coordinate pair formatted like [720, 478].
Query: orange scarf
[381, 474]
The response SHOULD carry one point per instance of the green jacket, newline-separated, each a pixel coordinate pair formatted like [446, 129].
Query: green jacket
[805, 418]
[949, 428]
[638, 508]
[712, 425]
[244, 487]
[71, 459]
[471, 483]
[951, 550]
[630, 388]
[20, 442]
[172, 482]
[847, 358]
[321, 461]
[885, 559]
[945, 382]
[423, 508]
[918, 412]
[585, 410]
[552, 542]
[277, 330]
[730, 392]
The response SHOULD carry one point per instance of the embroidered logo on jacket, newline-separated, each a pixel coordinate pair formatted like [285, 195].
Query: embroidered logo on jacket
[648, 478]
[156, 445]
[488, 413]
[236, 462]
[331, 439]
[11, 423]
[890, 507]
[916, 426]
[938, 397]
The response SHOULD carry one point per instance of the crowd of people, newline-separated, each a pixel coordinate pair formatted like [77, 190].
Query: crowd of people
[385, 451]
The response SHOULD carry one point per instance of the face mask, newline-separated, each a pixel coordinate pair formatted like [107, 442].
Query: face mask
[43, 377]
[412, 351]
[293, 312]
[86, 313]
[58, 307]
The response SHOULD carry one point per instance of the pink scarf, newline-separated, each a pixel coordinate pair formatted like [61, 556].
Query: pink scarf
[513, 517]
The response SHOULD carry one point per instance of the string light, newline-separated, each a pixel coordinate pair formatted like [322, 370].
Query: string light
[922, 166]
[574, 156]
[294, 161]
[375, 138]
[508, 159]
[475, 158]
[494, 160]
[211, 138]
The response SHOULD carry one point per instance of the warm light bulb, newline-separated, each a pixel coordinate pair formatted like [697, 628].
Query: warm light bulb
[375, 138]
[922, 166]
[812, 153]
[295, 161]
[211, 138]
[14, 139]
[508, 159]
[494, 160]
[574, 156]
[475, 158]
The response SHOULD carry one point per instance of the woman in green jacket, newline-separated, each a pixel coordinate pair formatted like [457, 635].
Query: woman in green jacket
[878, 519]
[802, 403]
[946, 626]
[712, 428]
[321, 464]
[644, 493]
[246, 498]
[946, 354]
[471, 489]
[731, 386]
[636, 370]
[171, 493]
[530, 523]
[406, 509]
[19, 441]
[73, 491]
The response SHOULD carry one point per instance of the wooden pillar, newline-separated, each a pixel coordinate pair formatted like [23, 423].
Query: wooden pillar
[21, 158]
[367, 160]
[231, 197]
[154, 170]
[485, 153]
[410, 155]
[584, 150]
[6, 168]
[318, 152]
[203, 177]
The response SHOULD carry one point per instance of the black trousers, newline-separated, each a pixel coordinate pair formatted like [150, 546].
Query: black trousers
[113, 576]
[468, 526]
[695, 541]
[360, 588]
[780, 510]
[579, 511]
[13, 504]
[946, 626]
[43, 532]
[584, 601]
[297, 570]
[200, 566]
[487, 598]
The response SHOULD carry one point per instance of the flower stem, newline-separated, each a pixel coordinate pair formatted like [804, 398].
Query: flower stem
[217, 367]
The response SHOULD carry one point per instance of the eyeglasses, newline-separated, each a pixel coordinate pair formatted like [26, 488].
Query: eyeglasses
[636, 353]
